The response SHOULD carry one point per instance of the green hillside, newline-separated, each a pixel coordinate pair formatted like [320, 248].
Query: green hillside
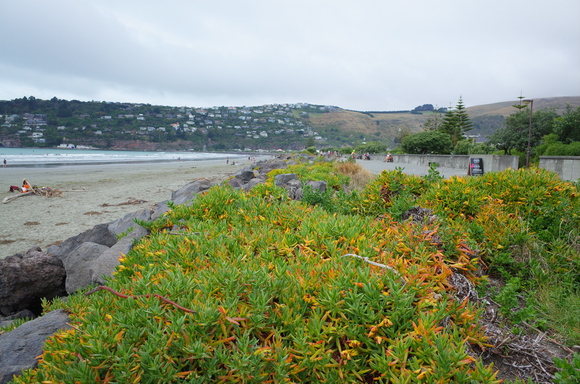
[28, 122]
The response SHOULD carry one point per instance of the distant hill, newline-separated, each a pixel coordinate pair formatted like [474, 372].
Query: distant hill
[506, 108]
[386, 126]
[35, 122]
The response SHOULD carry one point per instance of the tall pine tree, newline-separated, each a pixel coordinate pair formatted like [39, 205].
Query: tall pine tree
[456, 123]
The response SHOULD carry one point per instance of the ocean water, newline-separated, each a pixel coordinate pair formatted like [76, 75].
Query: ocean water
[49, 157]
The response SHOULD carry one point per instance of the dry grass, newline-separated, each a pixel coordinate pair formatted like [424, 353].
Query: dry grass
[388, 123]
[359, 177]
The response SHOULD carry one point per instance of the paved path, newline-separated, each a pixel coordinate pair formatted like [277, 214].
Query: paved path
[377, 166]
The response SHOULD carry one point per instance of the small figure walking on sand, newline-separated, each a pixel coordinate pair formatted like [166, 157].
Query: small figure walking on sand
[4, 166]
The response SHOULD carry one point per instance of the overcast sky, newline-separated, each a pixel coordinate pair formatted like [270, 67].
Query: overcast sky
[355, 54]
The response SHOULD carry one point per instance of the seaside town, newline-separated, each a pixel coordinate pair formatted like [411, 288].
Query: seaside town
[106, 125]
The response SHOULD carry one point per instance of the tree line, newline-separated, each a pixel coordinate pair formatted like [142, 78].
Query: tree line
[550, 134]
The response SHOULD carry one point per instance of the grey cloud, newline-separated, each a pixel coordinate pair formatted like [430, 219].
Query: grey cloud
[359, 55]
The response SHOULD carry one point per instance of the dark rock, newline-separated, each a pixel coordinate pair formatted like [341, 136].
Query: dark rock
[128, 221]
[244, 176]
[25, 314]
[20, 347]
[188, 192]
[99, 234]
[235, 183]
[159, 210]
[25, 279]
[283, 179]
[265, 166]
[78, 264]
[252, 183]
[319, 186]
[104, 265]
[294, 188]
[290, 182]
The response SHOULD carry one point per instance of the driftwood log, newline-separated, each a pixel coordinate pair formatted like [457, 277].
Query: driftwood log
[10, 198]
[47, 192]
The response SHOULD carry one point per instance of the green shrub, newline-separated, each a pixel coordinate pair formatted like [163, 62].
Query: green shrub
[570, 372]
[275, 299]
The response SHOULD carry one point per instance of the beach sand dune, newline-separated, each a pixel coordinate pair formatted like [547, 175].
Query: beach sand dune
[105, 193]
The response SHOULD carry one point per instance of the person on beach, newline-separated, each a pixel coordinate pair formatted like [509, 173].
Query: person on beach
[4, 164]
[25, 186]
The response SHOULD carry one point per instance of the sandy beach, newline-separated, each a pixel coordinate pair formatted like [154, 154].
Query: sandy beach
[105, 193]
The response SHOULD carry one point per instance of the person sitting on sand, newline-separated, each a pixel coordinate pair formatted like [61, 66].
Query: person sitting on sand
[25, 187]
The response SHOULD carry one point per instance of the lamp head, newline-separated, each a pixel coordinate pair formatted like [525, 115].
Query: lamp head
[527, 101]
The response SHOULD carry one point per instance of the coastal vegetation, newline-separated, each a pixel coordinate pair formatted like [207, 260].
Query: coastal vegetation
[381, 279]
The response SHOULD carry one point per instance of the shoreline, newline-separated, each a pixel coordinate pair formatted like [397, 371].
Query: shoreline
[102, 193]
[56, 157]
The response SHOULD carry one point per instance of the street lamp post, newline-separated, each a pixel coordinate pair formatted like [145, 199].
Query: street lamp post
[531, 103]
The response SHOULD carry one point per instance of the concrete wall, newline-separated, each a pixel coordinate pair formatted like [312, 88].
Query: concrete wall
[495, 163]
[444, 161]
[567, 167]
[491, 163]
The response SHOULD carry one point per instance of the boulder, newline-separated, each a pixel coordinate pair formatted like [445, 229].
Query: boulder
[294, 188]
[20, 348]
[25, 279]
[265, 166]
[104, 265]
[128, 221]
[99, 234]
[319, 186]
[252, 183]
[78, 264]
[244, 175]
[160, 209]
[283, 179]
[290, 182]
[188, 192]
[235, 183]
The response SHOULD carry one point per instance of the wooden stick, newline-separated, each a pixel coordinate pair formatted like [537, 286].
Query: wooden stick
[73, 190]
[366, 259]
[162, 298]
[10, 198]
